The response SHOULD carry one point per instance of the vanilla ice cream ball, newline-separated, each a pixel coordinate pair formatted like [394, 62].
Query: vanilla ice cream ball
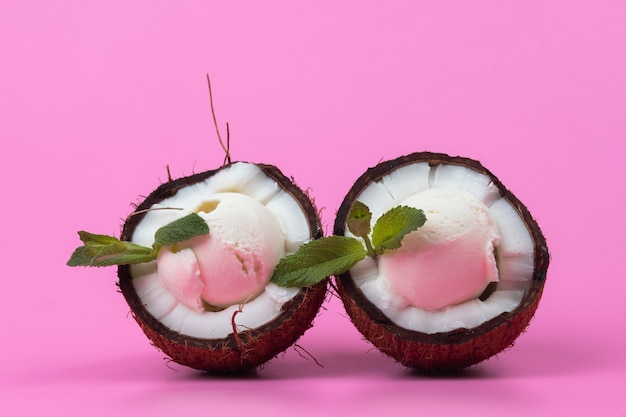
[450, 259]
[230, 265]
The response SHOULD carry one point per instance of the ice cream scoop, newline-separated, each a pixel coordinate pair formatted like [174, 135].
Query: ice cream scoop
[230, 265]
[451, 258]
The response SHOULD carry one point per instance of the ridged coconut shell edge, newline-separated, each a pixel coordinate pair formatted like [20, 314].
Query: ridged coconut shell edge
[445, 351]
[246, 348]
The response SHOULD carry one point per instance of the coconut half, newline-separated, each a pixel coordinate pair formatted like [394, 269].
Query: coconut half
[228, 338]
[472, 330]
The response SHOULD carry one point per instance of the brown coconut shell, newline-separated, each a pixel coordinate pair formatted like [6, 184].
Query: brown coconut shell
[445, 351]
[244, 349]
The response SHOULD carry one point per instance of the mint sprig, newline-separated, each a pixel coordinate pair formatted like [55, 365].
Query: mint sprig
[318, 259]
[179, 230]
[310, 264]
[393, 225]
[334, 255]
[103, 250]
[359, 224]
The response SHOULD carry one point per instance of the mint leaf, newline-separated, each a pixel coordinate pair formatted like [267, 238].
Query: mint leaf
[359, 220]
[185, 228]
[102, 250]
[359, 223]
[318, 259]
[393, 225]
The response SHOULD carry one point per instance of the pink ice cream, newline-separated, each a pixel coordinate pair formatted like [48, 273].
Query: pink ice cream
[230, 265]
[451, 258]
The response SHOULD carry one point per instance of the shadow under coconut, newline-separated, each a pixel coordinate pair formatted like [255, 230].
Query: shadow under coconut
[310, 363]
[323, 362]
[530, 357]
[473, 372]
[533, 357]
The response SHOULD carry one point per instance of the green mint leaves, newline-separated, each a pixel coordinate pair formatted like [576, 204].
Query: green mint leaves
[185, 228]
[318, 259]
[310, 264]
[359, 223]
[102, 250]
[334, 255]
[393, 225]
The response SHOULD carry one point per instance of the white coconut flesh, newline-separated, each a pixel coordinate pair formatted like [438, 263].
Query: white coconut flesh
[240, 183]
[513, 253]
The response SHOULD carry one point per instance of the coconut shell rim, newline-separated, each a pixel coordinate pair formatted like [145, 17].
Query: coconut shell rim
[232, 341]
[461, 335]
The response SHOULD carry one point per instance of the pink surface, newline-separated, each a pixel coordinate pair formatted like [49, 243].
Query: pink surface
[96, 99]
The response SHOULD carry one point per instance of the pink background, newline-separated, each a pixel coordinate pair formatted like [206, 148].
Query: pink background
[96, 98]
